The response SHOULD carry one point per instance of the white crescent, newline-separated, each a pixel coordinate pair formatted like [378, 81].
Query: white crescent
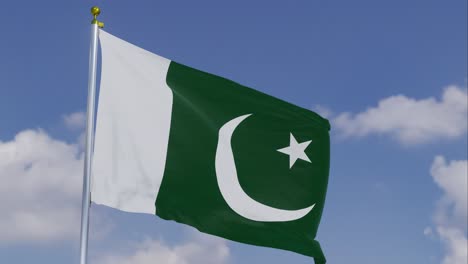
[230, 188]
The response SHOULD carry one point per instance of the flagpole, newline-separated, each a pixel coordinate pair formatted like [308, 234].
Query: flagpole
[86, 198]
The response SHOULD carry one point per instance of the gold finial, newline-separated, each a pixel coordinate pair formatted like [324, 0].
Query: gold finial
[95, 11]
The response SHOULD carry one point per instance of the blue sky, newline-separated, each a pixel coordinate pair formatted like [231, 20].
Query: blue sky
[398, 165]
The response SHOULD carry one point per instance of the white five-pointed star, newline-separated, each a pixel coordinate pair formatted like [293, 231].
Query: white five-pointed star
[295, 150]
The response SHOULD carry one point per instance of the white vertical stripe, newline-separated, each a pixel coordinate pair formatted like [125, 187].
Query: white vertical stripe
[132, 129]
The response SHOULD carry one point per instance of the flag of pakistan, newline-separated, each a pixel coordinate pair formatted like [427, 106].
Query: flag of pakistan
[201, 150]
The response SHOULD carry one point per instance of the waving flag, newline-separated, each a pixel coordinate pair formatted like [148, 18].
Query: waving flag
[202, 150]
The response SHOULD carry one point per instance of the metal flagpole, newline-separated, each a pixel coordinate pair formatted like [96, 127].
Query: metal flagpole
[86, 202]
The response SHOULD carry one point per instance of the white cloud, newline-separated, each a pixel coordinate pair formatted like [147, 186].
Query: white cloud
[199, 250]
[323, 111]
[75, 121]
[409, 120]
[40, 190]
[456, 245]
[451, 212]
[428, 232]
